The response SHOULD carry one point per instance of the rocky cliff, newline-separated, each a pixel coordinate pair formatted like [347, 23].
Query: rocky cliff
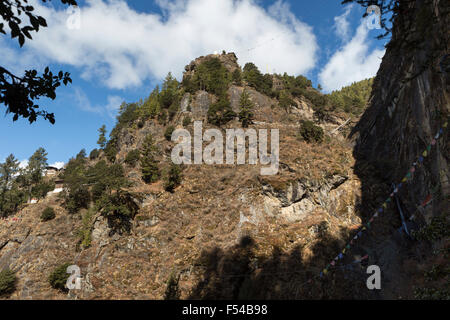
[227, 232]
[409, 106]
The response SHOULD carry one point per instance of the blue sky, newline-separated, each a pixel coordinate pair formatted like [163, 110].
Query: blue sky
[121, 50]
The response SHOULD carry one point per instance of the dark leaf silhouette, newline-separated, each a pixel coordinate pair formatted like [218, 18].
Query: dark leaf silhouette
[18, 93]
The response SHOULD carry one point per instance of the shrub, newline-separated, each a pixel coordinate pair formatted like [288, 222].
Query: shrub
[322, 114]
[77, 199]
[316, 98]
[162, 117]
[94, 154]
[111, 151]
[119, 208]
[7, 282]
[41, 189]
[220, 112]
[132, 157]
[48, 214]
[353, 98]
[310, 132]
[285, 101]
[86, 228]
[59, 276]
[237, 77]
[438, 228]
[172, 289]
[173, 178]
[173, 109]
[255, 79]
[211, 76]
[128, 113]
[97, 190]
[186, 121]
[168, 132]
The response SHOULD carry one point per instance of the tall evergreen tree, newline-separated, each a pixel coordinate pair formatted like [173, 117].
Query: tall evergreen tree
[237, 77]
[102, 139]
[220, 112]
[149, 165]
[169, 92]
[246, 105]
[8, 170]
[36, 165]
[151, 107]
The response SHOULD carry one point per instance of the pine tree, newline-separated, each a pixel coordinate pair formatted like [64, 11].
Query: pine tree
[151, 107]
[102, 139]
[169, 92]
[220, 112]
[149, 165]
[8, 170]
[36, 165]
[173, 178]
[246, 114]
[237, 77]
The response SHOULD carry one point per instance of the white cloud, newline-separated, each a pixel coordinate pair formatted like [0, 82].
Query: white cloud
[353, 62]
[122, 47]
[57, 164]
[342, 25]
[110, 109]
[23, 164]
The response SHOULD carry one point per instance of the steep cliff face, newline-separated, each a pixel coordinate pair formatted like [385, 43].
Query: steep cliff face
[410, 99]
[410, 104]
[226, 231]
